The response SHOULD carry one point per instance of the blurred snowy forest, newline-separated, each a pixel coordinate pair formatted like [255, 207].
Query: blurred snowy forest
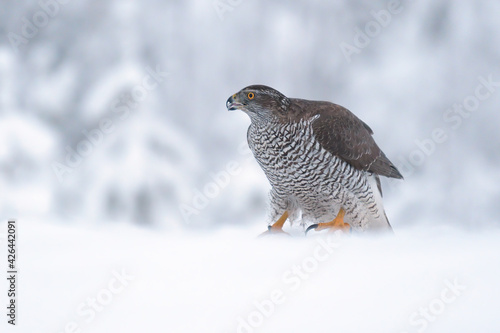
[161, 150]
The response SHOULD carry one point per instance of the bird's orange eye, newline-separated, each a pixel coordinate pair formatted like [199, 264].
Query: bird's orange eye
[251, 95]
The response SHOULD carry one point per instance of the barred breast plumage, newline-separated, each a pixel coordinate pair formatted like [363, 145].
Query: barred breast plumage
[318, 158]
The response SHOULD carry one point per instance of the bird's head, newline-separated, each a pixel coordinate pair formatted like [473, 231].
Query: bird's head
[260, 103]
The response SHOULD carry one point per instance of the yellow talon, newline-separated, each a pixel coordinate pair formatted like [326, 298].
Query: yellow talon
[277, 227]
[336, 224]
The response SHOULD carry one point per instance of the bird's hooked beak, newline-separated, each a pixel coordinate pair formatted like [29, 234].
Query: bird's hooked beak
[233, 103]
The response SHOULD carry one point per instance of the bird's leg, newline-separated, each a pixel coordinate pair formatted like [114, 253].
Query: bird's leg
[336, 224]
[277, 227]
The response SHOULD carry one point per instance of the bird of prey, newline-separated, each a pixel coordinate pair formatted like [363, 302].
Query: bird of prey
[321, 160]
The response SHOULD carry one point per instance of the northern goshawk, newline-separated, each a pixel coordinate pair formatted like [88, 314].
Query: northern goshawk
[321, 161]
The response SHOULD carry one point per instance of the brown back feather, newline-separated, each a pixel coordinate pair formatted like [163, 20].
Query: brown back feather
[344, 135]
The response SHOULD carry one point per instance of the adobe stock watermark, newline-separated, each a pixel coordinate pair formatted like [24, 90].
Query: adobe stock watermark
[88, 310]
[292, 279]
[219, 180]
[372, 29]
[30, 27]
[223, 6]
[120, 108]
[453, 117]
[419, 320]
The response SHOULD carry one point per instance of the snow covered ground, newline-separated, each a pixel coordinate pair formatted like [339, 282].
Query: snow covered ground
[130, 279]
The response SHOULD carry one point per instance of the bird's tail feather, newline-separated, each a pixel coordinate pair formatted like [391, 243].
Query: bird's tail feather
[381, 221]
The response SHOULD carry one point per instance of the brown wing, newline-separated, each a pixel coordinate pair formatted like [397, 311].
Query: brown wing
[343, 134]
